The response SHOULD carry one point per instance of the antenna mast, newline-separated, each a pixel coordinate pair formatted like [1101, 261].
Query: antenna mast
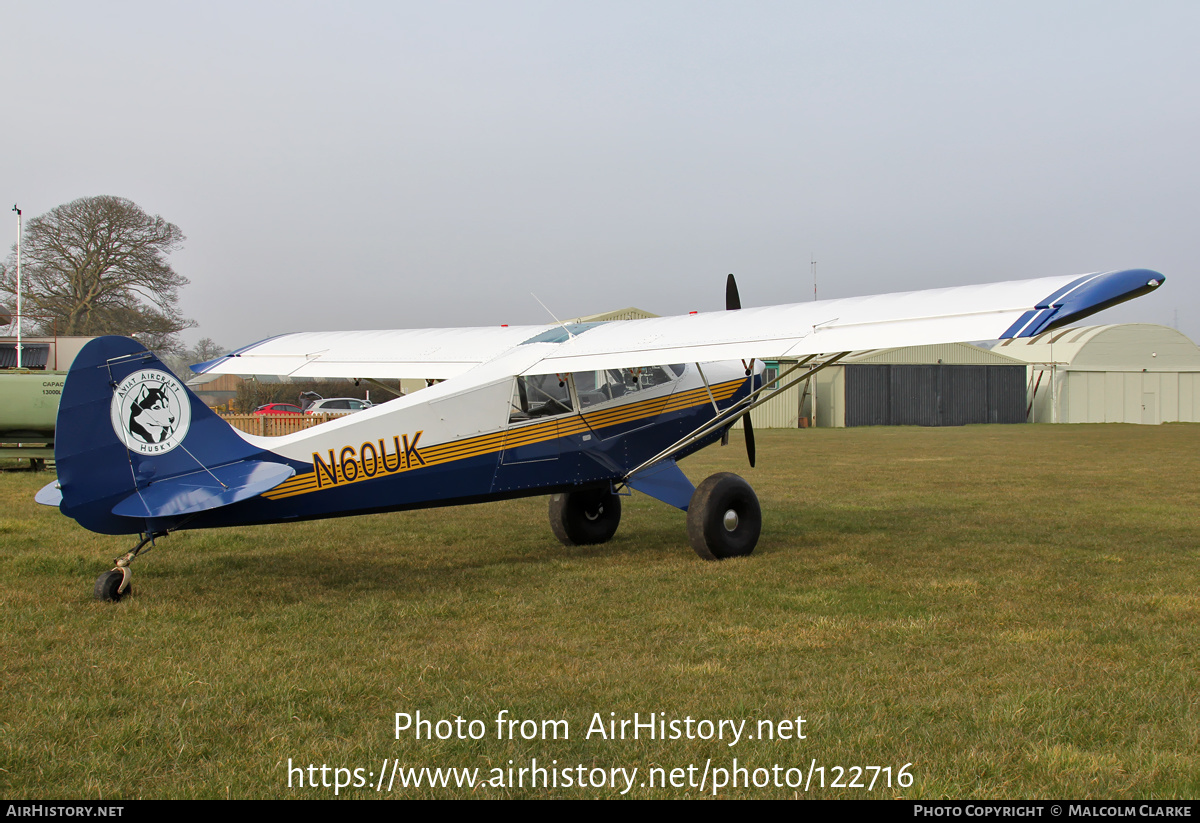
[18, 211]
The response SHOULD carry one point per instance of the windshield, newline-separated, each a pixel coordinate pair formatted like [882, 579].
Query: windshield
[541, 395]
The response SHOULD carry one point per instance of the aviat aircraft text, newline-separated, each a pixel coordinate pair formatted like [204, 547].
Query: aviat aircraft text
[350, 464]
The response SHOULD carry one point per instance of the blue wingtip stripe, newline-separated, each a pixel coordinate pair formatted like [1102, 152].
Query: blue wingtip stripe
[1067, 289]
[1022, 322]
[1082, 298]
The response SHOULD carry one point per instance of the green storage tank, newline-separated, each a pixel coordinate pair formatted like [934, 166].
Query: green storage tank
[29, 404]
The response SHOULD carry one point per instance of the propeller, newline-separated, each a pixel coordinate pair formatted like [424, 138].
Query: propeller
[733, 302]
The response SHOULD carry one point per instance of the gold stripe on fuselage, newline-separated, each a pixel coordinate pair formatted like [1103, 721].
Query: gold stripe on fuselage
[497, 441]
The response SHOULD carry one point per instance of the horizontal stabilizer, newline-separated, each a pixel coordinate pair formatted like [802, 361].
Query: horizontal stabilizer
[204, 489]
[49, 494]
[664, 481]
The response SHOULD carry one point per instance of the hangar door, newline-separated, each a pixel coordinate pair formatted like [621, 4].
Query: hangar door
[933, 395]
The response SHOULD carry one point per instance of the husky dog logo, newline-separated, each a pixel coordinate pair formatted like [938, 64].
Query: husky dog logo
[151, 412]
[150, 418]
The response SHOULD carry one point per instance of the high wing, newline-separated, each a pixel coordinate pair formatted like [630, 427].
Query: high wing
[435, 354]
[993, 311]
[1020, 308]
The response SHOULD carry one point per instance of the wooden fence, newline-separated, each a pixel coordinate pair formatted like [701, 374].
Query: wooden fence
[273, 425]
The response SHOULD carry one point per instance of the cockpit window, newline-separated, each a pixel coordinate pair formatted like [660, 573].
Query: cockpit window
[549, 395]
[595, 387]
[540, 395]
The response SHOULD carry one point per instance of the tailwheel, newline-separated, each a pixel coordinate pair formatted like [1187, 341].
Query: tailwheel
[586, 517]
[723, 519]
[113, 585]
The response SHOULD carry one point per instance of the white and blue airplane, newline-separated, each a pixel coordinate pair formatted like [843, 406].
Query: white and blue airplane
[579, 412]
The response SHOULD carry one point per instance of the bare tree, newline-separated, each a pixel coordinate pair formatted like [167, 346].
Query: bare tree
[182, 359]
[97, 266]
[207, 349]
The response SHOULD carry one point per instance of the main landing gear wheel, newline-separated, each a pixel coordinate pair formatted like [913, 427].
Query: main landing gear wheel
[723, 519]
[585, 517]
[110, 586]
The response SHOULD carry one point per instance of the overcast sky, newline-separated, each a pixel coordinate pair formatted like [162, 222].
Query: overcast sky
[400, 164]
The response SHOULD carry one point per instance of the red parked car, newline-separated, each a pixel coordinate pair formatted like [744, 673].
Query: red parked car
[278, 408]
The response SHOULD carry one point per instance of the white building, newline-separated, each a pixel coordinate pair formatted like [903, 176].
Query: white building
[1132, 373]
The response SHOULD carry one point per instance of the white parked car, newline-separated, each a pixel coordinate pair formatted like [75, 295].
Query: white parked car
[338, 406]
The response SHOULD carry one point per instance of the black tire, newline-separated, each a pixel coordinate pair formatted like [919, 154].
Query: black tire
[586, 517]
[712, 535]
[108, 587]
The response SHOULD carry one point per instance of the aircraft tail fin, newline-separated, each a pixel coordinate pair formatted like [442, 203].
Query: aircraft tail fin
[137, 451]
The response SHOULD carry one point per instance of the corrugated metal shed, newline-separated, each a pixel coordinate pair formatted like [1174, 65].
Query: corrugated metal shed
[33, 355]
[903, 394]
[1130, 373]
[947, 384]
[55, 352]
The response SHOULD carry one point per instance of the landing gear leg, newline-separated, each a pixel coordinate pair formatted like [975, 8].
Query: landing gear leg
[723, 519]
[113, 585]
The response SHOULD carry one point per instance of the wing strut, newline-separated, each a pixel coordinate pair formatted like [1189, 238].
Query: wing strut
[708, 389]
[736, 411]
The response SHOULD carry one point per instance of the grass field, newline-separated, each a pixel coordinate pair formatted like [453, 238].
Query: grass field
[1012, 610]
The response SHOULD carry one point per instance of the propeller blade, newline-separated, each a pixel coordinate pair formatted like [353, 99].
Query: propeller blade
[749, 429]
[733, 302]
